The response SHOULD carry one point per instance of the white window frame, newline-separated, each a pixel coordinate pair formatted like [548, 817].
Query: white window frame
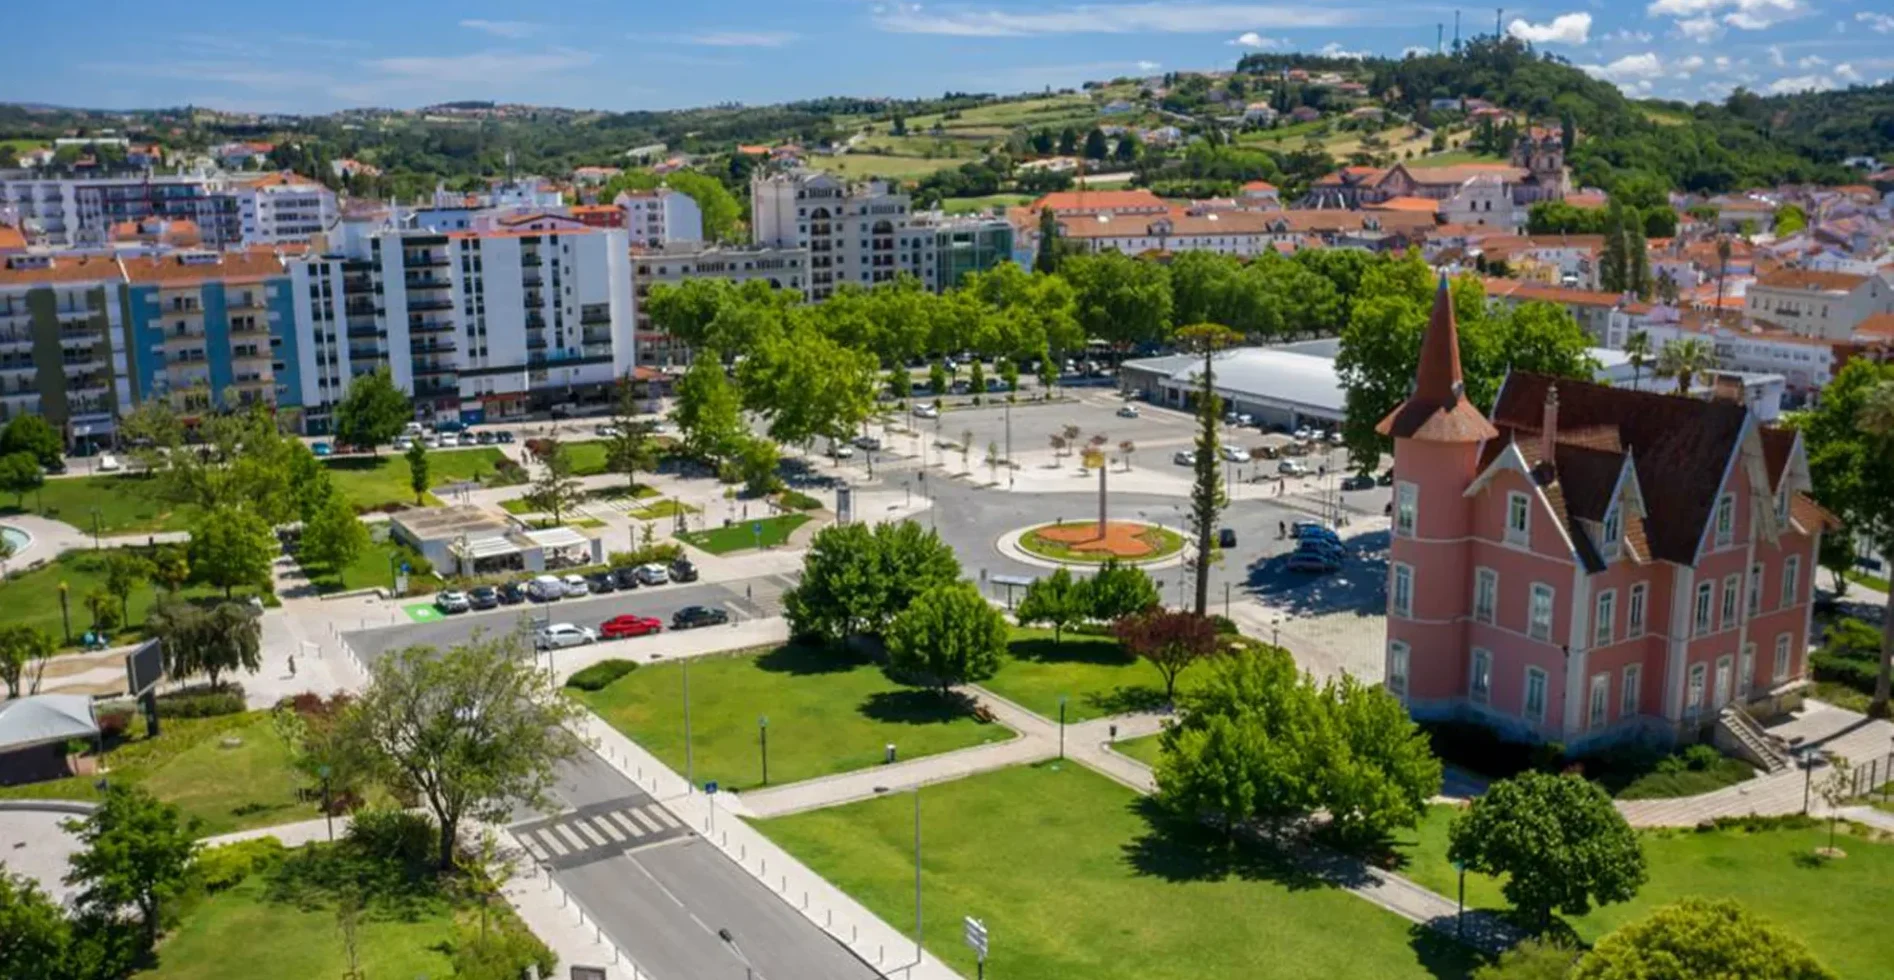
[1535, 628]
[1598, 708]
[1754, 599]
[1401, 590]
[1694, 690]
[1791, 573]
[1604, 626]
[1634, 610]
[1701, 608]
[1630, 692]
[1485, 595]
[1613, 533]
[1406, 508]
[1397, 668]
[1732, 586]
[1780, 669]
[1526, 707]
[1726, 520]
[1518, 519]
[1480, 676]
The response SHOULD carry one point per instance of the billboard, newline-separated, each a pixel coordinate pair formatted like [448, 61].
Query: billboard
[144, 667]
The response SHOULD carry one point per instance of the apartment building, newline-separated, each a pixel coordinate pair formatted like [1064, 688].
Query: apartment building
[782, 268]
[80, 212]
[1828, 305]
[1806, 364]
[474, 325]
[62, 353]
[1600, 563]
[207, 329]
[283, 207]
[660, 217]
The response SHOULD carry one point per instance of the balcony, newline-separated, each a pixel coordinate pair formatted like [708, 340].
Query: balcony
[588, 317]
[596, 337]
[596, 350]
[358, 353]
[436, 390]
[246, 301]
[425, 260]
[535, 343]
[531, 261]
[531, 280]
[430, 326]
[185, 338]
[427, 282]
[356, 284]
[419, 346]
[533, 297]
[366, 331]
[429, 305]
[360, 309]
[534, 321]
[253, 332]
[435, 370]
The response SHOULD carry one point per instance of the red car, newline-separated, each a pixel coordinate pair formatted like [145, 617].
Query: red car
[619, 627]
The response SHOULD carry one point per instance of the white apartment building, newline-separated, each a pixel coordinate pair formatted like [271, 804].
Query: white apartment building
[1806, 364]
[854, 233]
[1825, 305]
[656, 218]
[1484, 201]
[475, 325]
[283, 207]
[80, 212]
[782, 268]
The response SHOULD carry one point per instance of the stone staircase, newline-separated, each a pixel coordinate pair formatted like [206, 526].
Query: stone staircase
[1740, 735]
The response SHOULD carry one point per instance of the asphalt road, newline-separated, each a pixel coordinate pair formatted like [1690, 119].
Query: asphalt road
[663, 896]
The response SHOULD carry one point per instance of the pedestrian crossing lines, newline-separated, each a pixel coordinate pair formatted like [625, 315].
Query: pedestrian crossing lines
[597, 831]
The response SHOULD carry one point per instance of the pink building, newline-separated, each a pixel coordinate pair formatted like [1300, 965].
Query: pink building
[1592, 562]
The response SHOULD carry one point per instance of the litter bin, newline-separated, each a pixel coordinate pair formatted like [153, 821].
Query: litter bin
[889, 757]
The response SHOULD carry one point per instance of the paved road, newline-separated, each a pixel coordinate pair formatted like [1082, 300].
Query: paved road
[744, 598]
[664, 892]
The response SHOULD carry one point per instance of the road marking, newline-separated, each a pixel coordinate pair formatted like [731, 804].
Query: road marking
[552, 842]
[566, 832]
[584, 829]
[663, 815]
[649, 823]
[631, 828]
[653, 845]
[532, 846]
[611, 829]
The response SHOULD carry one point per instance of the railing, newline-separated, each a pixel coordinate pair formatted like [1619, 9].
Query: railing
[428, 305]
[366, 331]
[427, 282]
[531, 261]
[431, 347]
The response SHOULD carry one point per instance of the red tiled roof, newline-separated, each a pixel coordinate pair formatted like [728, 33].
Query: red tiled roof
[1138, 200]
[33, 270]
[1411, 204]
[1879, 326]
[1564, 296]
[173, 270]
[1810, 279]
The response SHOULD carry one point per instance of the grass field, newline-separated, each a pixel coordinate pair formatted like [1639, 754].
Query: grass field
[1076, 883]
[373, 568]
[32, 598]
[981, 205]
[1145, 750]
[1454, 158]
[234, 934]
[1096, 674]
[743, 535]
[126, 505]
[227, 789]
[864, 165]
[374, 482]
[1836, 906]
[828, 712]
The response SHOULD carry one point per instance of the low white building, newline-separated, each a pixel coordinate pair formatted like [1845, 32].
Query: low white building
[1826, 305]
[1283, 386]
[1484, 201]
[656, 218]
[284, 207]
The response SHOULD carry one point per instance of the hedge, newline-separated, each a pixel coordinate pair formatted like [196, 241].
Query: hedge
[600, 675]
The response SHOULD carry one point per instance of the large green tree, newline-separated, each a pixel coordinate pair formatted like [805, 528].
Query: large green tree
[21, 645]
[372, 411]
[685, 310]
[1558, 840]
[473, 731]
[1699, 938]
[1850, 441]
[708, 411]
[721, 212]
[1118, 298]
[417, 470]
[210, 639]
[232, 546]
[20, 474]
[948, 635]
[1207, 497]
[855, 580]
[32, 434]
[333, 537]
[34, 932]
[1058, 600]
[125, 571]
[135, 852]
[1118, 590]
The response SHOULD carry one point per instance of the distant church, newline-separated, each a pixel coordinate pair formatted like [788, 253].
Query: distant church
[1535, 173]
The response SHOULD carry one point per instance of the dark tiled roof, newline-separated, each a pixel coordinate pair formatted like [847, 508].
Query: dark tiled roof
[1777, 444]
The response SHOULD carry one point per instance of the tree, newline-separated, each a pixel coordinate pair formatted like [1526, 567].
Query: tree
[334, 537]
[209, 640]
[1096, 147]
[1068, 141]
[1243, 748]
[1790, 218]
[1684, 359]
[20, 645]
[949, 635]
[417, 470]
[20, 474]
[232, 546]
[104, 611]
[125, 571]
[34, 435]
[1850, 437]
[472, 731]
[33, 930]
[756, 464]
[1171, 641]
[633, 444]
[373, 411]
[1532, 959]
[721, 211]
[685, 310]
[1059, 600]
[708, 410]
[170, 567]
[1128, 149]
[839, 595]
[555, 490]
[1047, 259]
[134, 852]
[1206, 492]
[1637, 349]
[1700, 937]
[1119, 590]
[1559, 841]
[1119, 298]
[1378, 768]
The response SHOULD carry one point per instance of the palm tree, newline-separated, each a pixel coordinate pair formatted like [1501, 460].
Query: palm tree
[1876, 419]
[1684, 359]
[1722, 272]
[1638, 348]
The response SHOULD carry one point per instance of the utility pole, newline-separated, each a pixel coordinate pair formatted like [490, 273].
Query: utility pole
[1456, 32]
[1499, 19]
[1440, 36]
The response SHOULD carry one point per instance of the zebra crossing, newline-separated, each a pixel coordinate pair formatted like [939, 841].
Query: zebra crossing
[761, 596]
[597, 831]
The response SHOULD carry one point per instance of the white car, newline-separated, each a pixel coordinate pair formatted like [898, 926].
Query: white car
[432, 441]
[926, 412]
[1292, 467]
[1184, 457]
[575, 586]
[556, 636]
[653, 574]
[108, 463]
[452, 601]
[466, 439]
[842, 451]
[1304, 434]
[1336, 437]
[1236, 454]
[414, 428]
[1128, 411]
[546, 588]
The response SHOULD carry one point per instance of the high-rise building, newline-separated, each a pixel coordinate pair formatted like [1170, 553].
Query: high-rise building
[81, 212]
[283, 207]
[661, 217]
[62, 349]
[209, 329]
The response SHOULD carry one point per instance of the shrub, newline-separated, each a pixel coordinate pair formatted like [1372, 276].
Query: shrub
[1844, 670]
[200, 704]
[662, 554]
[1701, 758]
[499, 953]
[1225, 625]
[224, 867]
[797, 500]
[114, 721]
[600, 675]
[393, 836]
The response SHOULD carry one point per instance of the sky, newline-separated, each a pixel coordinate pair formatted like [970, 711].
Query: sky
[309, 58]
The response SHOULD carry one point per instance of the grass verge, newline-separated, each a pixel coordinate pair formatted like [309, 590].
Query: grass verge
[742, 535]
[1095, 674]
[126, 504]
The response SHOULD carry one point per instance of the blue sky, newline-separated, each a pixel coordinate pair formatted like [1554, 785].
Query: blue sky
[243, 55]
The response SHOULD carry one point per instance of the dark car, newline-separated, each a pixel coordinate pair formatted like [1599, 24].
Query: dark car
[599, 582]
[1360, 481]
[483, 597]
[691, 617]
[511, 594]
[626, 577]
[1226, 537]
[1385, 479]
[683, 571]
[484, 438]
[56, 468]
[504, 436]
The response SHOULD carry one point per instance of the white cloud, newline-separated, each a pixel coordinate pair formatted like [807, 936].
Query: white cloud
[1775, 56]
[1149, 66]
[504, 28]
[1811, 61]
[731, 39]
[1334, 49]
[1879, 23]
[1744, 15]
[1689, 64]
[1801, 83]
[1253, 40]
[1702, 30]
[1629, 36]
[1416, 51]
[483, 67]
[1563, 29]
[1117, 18]
[1846, 72]
[1629, 68]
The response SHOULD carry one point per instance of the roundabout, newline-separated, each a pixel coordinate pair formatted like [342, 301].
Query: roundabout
[1084, 544]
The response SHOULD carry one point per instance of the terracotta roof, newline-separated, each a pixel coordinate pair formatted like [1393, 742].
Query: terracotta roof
[1413, 204]
[1809, 516]
[11, 238]
[1777, 444]
[1587, 199]
[174, 270]
[283, 178]
[36, 270]
[1762, 207]
[1438, 410]
[1879, 326]
[1259, 185]
[1138, 200]
[1520, 290]
[1458, 174]
[1842, 282]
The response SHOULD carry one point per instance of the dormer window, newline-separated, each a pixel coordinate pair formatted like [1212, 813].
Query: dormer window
[1613, 532]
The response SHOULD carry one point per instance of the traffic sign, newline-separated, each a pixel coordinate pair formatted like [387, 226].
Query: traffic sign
[976, 936]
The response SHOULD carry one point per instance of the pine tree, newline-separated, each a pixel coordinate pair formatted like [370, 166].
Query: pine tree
[1614, 264]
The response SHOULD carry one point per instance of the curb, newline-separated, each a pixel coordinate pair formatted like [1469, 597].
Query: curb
[1008, 546]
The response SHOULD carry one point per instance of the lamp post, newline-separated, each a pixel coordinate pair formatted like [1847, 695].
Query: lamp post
[749, 969]
[1275, 632]
[328, 815]
[1062, 726]
[65, 609]
[762, 738]
[1226, 600]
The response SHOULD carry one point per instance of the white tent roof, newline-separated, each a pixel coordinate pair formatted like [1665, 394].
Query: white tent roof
[44, 718]
[488, 548]
[558, 537]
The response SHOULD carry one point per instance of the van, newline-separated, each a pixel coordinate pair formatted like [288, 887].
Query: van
[546, 588]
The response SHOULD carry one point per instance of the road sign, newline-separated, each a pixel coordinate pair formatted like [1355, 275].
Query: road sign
[711, 787]
[976, 936]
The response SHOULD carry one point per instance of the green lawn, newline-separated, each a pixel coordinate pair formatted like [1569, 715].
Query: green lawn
[1145, 749]
[227, 789]
[1838, 907]
[125, 503]
[1872, 581]
[1096, 674]
[981, 205]
[32, 597]
[1453, 158]
[241, 933]
[374, 482]
[1075, 883]
[742, 535]
[658, 509]
[587, 458]
[828, 712]
[862, 165]
[373, 568]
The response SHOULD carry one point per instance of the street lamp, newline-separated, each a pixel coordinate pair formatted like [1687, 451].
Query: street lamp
[1460, 916]
[762, 738]
[1062, 726]
[749, 969]
[1226, 600]
[328, 812]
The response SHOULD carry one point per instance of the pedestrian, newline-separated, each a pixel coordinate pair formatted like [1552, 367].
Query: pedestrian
[292, 665]
[1282, 530]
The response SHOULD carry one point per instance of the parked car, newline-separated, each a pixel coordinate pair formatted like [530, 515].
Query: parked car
[682, 570]
[576, 586]
[1127, 411]
[1335, 438]
[1184, 457]
[1236, 454]
[511, 594]
[599, 583]
[1313, 529]
[1358, 481]
[842, 450]
[546, 588]
[869, 443]
[1292, 467]
[1304, 434]
[1312, 561]
[619, 627]
[108, 463]
[653, 573]
[1226, 537]
[402, 443]
[926, 412]
[556, 636]
[626, 576]
[413, 429]
[959, 387]
[504, 436]
[431, 441]
[483, 597]
[691, 617]
[1386, 479]
[1328, 546]
[322, 449]
[484, 438]
[452, 601]
[605, 431]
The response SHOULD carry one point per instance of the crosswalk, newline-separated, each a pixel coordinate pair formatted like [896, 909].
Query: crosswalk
[761, 596]
[592, 833]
